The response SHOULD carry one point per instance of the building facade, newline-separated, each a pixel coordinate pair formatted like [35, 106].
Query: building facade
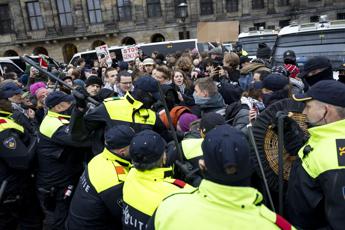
[61, 28]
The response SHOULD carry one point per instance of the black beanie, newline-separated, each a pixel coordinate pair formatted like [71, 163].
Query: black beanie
[263, 52]
[93, 80]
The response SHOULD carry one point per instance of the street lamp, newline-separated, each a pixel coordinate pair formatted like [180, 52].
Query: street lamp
[183, 14]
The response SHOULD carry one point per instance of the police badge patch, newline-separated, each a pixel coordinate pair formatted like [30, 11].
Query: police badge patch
[10, 143]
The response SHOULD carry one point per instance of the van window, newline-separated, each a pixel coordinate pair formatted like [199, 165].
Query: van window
[9, 67]
[89, 58]
[329, 43]
[250, 44]
[168, 47]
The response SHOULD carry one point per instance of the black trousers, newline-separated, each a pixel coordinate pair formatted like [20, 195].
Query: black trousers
[21, 212]
[56, 214]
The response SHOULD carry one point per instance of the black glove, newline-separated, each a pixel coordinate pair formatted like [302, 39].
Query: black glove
[80, 95]
[294, 136]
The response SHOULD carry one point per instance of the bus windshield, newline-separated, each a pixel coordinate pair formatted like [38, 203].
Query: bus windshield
[250, 44]
[329, 43]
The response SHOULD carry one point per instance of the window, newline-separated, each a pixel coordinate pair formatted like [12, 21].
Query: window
[5, 19]
[283, 23]
[260, 24]
[65, 12]
[153, 8]
[340, 16]
[314, 18]
[124, 10]
[35, 16]
[95, 12]
[206, 7]
[283, 2]
[258, 4]
[180, 35]
[231, 5]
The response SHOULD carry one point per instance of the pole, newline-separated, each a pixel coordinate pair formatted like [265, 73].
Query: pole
[252, 140]
[281, 116]
[45, 72]
[184, 28]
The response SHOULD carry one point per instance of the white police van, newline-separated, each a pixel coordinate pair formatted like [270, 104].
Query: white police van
[147, 48]
[6, 66]
[251, 39]
[323, 38]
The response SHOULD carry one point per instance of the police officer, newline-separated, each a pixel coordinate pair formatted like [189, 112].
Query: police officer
[132, 110]
[95, 204]
[224, 199]
[316, 184]
[24, 117]
[148, 183]
[192, 146]
[18, 203]
[60, 160]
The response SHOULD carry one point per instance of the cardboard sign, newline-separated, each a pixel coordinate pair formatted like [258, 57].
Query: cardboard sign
[102, 52]
[218, 31]
[129, 53]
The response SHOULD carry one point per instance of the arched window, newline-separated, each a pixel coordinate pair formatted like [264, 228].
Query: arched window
[10, 53]
[40, 50]
[157, 38]
[68, 51]
[97, 43]
[128, 41]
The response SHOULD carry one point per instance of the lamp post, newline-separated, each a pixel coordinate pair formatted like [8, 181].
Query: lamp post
[183, 14]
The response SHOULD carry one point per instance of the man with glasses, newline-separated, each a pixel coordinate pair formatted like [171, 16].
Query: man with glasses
[123, 83]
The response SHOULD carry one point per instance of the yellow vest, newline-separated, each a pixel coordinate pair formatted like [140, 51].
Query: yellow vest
[52, 122]
[122, 109]
[215, 206]
[6, 123]
[192, 147]
[328, 144]
[145, 190]
[105, 170]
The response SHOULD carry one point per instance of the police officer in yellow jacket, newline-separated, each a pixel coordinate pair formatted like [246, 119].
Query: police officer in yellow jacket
[148, 183]
[192, 146]
[134, 110]
[95, 204]
[316, 188]
[60, 160]
[19, 206]
[224, 199]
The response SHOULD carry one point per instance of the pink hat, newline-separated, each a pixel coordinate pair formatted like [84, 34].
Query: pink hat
[185, 120]
[34, 87]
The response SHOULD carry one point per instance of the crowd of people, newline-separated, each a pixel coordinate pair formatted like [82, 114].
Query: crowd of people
[92, 147]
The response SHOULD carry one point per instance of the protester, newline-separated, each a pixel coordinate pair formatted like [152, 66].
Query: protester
[206, 97]
[149, 65]
[124, 83]
[184, 87]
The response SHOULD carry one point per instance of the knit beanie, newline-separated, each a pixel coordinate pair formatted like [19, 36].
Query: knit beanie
[185, 120]
[93, 80]
[34, 87]
[263, 51]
